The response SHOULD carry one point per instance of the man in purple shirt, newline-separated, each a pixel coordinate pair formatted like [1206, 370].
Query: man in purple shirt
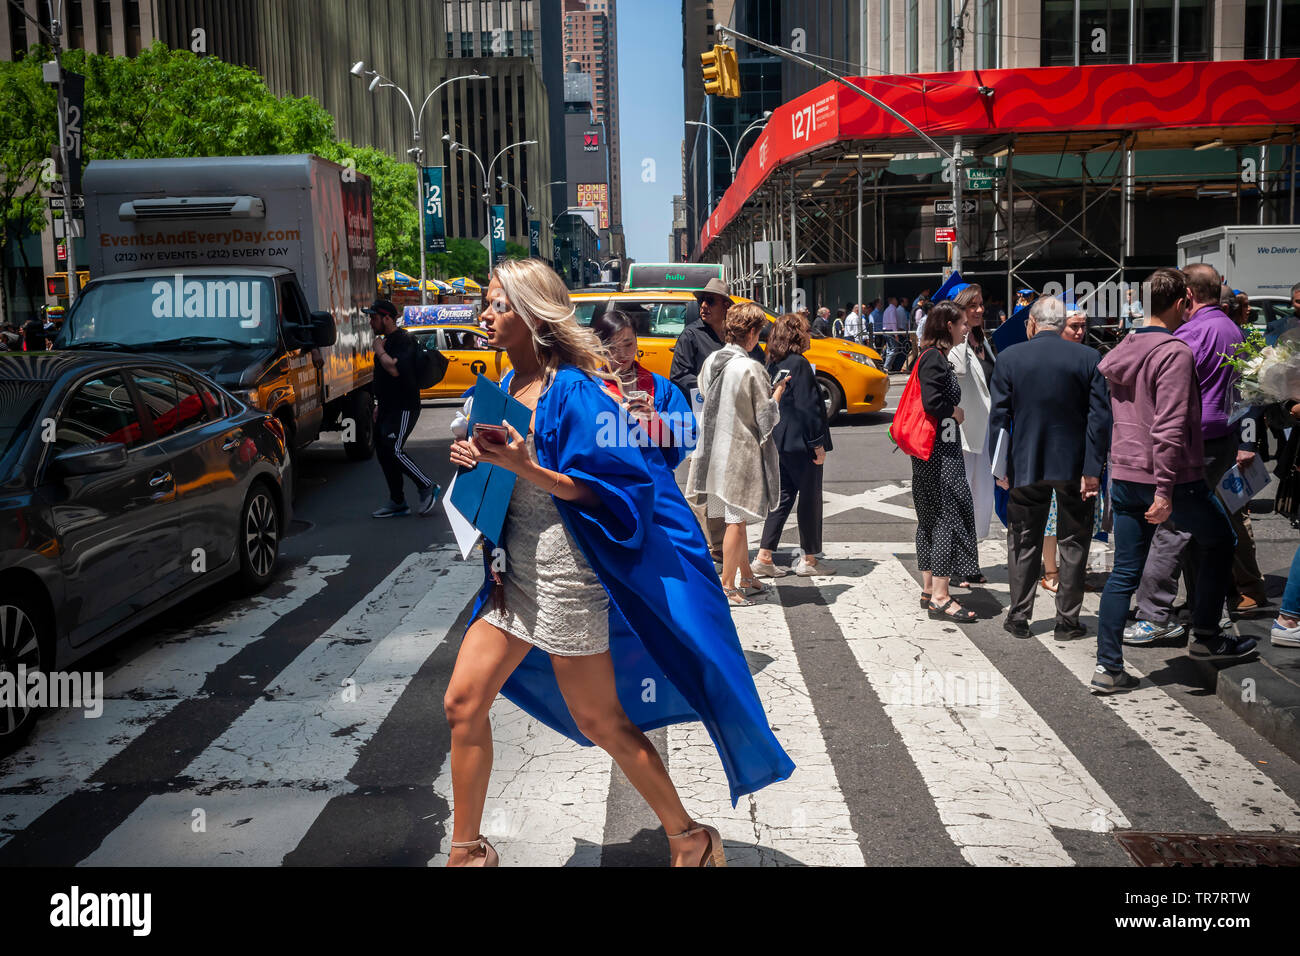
[1211, 334]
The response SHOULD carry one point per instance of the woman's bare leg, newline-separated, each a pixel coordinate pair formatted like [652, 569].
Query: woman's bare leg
[735, 555]
[487, 657]
[587, 683]
[1049, 554]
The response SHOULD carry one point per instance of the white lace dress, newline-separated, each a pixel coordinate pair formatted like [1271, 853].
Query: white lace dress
[553, 599]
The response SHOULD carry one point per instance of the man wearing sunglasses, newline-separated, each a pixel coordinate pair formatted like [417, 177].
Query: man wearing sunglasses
[697, 342]
[701, 339]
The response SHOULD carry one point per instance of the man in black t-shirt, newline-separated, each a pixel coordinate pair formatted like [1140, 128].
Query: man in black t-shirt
[397, 408]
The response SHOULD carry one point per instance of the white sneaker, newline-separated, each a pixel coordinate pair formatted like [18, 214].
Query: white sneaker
[806, 570]
[767, 569]
[1285, 636]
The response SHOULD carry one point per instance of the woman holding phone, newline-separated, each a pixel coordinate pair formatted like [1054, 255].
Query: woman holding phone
[802, 440]
[653, 401]
[608, 589]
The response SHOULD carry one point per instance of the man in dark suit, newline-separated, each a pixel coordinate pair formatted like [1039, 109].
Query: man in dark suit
[1051, 405]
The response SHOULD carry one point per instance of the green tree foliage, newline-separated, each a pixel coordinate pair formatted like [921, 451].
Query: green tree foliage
[465, 257]
[168, 102]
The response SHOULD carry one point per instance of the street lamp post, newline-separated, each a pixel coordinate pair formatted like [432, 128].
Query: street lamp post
[379, 81]
[487, 173]
[757, 124]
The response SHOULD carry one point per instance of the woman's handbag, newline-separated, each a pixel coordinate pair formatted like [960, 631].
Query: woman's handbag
[913, 428]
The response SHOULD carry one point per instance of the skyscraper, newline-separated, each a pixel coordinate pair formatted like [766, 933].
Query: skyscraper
[591, 41]
[516, 43]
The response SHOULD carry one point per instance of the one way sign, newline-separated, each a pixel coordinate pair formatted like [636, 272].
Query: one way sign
[944, 207]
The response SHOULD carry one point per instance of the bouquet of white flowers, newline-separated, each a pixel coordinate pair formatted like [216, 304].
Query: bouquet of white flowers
[1266, 373]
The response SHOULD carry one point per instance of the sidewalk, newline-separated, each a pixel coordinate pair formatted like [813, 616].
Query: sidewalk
[1265, 692]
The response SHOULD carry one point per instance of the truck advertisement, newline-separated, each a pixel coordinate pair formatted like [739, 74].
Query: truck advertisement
[234, 265]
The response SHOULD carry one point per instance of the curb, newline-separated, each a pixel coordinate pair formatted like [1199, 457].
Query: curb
[1270, 705]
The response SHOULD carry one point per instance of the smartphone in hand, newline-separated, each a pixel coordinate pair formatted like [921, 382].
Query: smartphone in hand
[781, 376]
[496, 434]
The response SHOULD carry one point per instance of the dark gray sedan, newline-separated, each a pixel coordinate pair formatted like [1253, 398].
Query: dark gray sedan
[127, 483]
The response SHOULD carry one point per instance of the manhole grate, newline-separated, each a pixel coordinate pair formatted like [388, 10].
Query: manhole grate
[1211, 849]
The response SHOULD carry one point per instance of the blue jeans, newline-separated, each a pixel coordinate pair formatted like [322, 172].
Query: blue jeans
[1291, 596]
[1196, 510]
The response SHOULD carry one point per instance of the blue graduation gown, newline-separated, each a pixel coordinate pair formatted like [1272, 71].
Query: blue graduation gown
[669, 401]
[681, 660]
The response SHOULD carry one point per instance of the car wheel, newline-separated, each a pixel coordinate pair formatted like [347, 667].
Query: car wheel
[25, 640]
[832, 397]
[362, 411]
[259, 536]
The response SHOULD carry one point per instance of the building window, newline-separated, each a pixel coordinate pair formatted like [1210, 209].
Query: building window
[104, 26]
[451, 47]
[526, 43]
[912, 35]
[1166, 30]
[884, 36]
[987, 46]
[943, 52]
[75, 25]
[132, 11]
[466, 43]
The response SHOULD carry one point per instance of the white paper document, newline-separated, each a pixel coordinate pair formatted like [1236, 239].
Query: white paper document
[466, 534]
[1236, 488]
[1000, 451]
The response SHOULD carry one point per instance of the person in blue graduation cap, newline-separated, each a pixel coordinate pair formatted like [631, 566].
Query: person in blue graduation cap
[609, 619]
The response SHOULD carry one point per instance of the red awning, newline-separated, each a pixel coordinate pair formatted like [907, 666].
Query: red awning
[1151, 100]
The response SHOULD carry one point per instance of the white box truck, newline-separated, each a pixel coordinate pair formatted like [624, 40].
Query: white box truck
[251, 269]
[1261, 261]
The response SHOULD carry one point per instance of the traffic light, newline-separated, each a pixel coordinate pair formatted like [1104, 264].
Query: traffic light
[721, 71]
[56, 283]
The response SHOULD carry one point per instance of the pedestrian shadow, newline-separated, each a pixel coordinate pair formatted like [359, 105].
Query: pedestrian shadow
[649, 848]
[1181, 671]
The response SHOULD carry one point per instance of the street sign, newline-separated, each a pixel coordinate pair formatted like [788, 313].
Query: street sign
[945, 234]
[943, 207]
[983, 178]
[78, 202]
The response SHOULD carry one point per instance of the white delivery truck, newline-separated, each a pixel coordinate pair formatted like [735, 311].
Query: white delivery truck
[1261, 261]
[251, 269]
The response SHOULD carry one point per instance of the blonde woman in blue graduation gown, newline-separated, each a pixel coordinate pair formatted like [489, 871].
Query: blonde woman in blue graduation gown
[609, 619]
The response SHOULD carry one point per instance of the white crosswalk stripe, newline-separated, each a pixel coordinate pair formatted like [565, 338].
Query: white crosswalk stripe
[1243, 797]
[272, 771]
[546, 798]
[1003, 782]
[68, 749]
[999, 776]
[803, 819]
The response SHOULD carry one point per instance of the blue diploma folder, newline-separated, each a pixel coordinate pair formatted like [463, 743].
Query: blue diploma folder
[482, 494]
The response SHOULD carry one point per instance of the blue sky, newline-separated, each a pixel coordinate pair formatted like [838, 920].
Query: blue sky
[650, 122]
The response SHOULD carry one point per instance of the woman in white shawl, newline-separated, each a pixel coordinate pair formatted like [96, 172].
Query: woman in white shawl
[734, 470]
[972, 360]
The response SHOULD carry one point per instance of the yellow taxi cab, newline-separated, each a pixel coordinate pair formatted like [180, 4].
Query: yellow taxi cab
[453, 329]
[849, 375]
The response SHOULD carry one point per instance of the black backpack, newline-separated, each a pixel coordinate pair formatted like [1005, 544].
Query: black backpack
[430, 365]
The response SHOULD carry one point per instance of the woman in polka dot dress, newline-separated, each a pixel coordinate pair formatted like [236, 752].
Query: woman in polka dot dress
[945, 515]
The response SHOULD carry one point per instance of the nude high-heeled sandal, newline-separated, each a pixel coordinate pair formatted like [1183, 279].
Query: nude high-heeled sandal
[713, 852]
[489, 857]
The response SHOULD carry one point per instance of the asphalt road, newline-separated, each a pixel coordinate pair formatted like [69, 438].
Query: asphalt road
[304, 725]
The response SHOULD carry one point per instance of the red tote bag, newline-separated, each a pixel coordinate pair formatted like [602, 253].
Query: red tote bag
[913, 429]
